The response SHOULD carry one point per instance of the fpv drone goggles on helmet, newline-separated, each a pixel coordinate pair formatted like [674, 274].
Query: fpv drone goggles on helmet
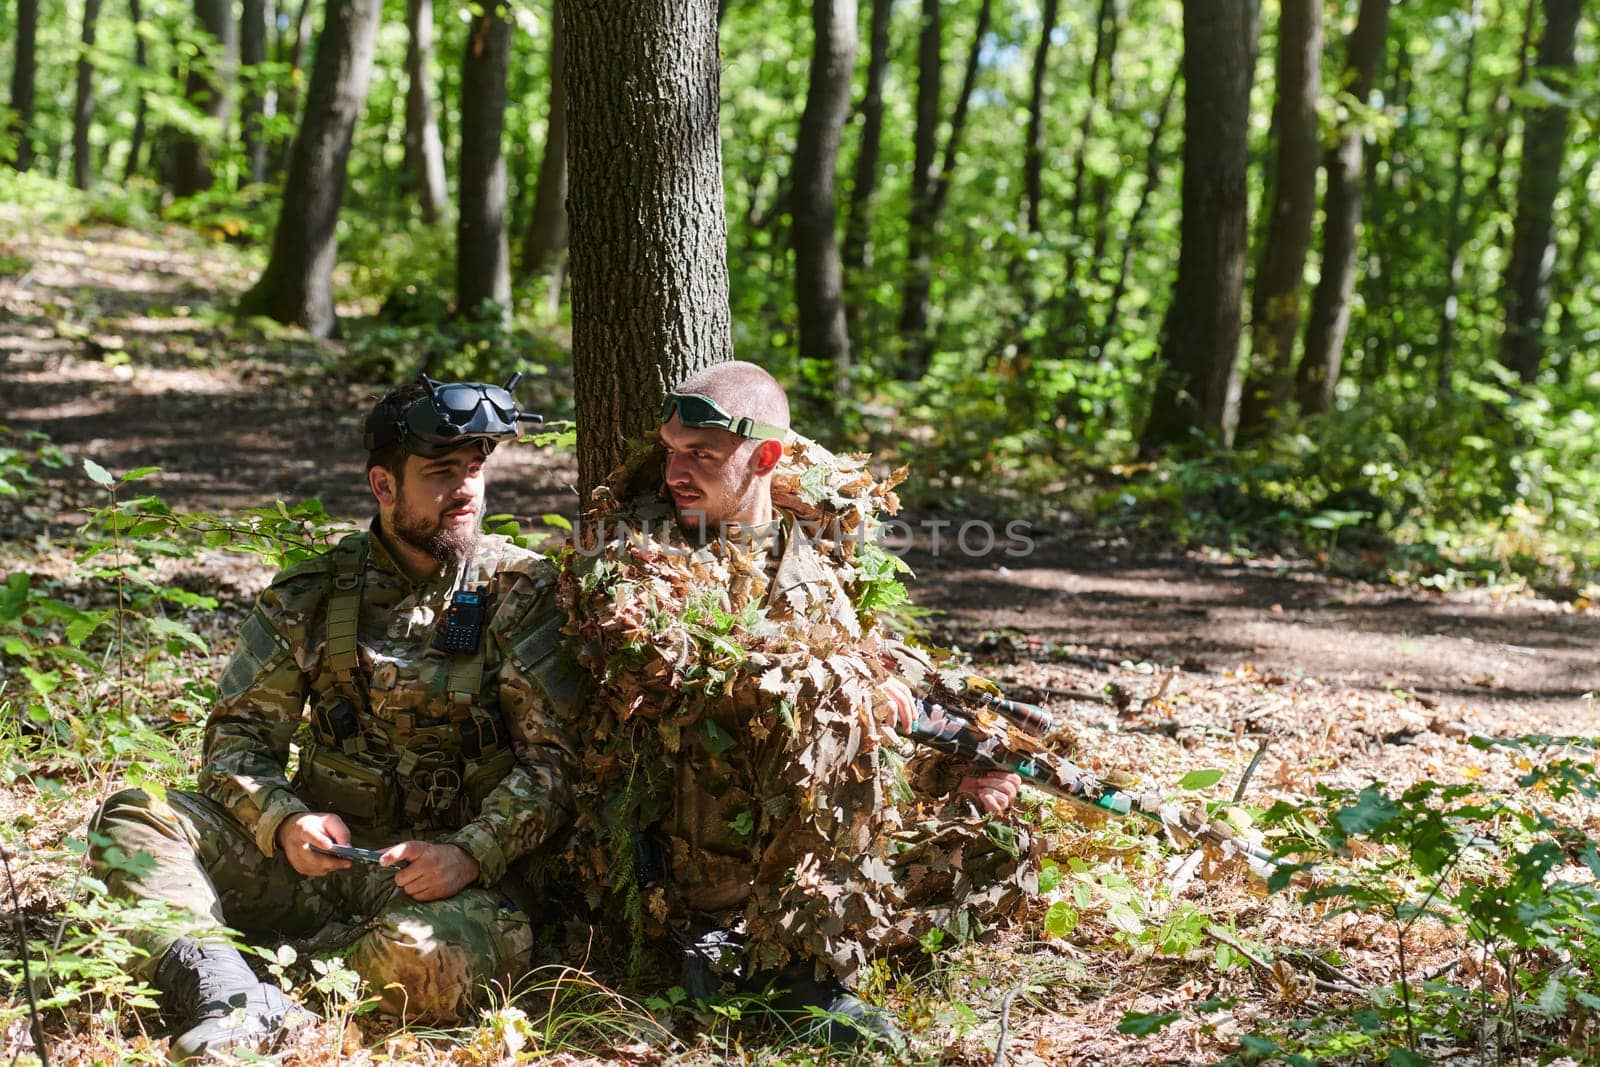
[447, 416]
[695, 409]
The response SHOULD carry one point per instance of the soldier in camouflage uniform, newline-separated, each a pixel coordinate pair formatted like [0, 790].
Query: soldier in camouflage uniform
[782, 822]
[431, 739]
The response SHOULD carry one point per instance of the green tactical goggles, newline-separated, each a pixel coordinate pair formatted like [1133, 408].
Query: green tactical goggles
[694, 409]
[448, 416]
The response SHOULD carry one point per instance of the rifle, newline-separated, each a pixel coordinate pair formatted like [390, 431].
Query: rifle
[1009, 735]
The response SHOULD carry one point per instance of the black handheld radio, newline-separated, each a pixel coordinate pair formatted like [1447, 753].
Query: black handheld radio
[461, 626]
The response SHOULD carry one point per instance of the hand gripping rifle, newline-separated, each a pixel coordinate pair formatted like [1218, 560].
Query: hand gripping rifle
[1008, 735]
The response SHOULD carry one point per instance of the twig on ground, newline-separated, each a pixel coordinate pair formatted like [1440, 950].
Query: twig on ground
[1161, 690]
[1005, 1024]
[1320, 983]
[1439, 971]
[1249, 771]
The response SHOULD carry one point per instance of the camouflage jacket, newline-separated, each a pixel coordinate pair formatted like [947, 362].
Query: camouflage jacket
[760, 768]
[405, 768]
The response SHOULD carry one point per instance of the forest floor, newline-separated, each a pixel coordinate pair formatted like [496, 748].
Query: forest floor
[1162, 662]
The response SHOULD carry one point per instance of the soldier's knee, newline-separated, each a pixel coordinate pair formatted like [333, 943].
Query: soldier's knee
[437, 963]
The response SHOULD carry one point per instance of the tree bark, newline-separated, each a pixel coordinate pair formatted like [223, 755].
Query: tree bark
[424, 160]
[483, 255]
[207, 90]
[1544, 141]
[1280, 271]
[819, 279]
[546, 237]
[252, 54]
[23, 69]
[919, 236]
[649, 233]
[857, 253]
[1105, 43]
[83, 101]
[141, 109]
[1197, 390]
[914, 315]
[1033, 151]
[1318, 374]
[297, 285]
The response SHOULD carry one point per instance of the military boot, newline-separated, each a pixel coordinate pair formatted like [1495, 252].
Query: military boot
[215, 1003]
[824, 1010]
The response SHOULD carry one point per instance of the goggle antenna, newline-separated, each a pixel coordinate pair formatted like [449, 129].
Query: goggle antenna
[511, 382]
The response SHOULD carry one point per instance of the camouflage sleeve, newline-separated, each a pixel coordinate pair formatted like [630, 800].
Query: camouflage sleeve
[260, 699]
[532, 801]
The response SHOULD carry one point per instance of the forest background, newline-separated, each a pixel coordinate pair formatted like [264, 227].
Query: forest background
[1303, 277]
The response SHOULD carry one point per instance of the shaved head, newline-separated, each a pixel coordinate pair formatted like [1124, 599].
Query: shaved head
[741, 389]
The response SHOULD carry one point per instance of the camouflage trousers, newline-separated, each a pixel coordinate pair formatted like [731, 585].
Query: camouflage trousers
[428, 962]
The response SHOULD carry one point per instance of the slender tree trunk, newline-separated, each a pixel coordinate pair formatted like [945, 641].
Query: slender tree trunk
[252, 54]
[1280, 270]
[141, 63]
[857, 253]
[1197, 391]
[1457, 233]
[546, 237]
[289, 99]
[1152, 177]
[1033, 151]
[914, 317]
[297, 286]
[23, 68]
[1583, 202]
[1104, 39]
[483, 256]
[207, 90]
[1318, 374]
[919, 236]
[649, 232]
[424, 161]
[1544, 141]
[819, 280]
[83, 101]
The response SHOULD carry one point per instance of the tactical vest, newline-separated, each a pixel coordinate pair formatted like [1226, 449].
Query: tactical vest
[389, 778]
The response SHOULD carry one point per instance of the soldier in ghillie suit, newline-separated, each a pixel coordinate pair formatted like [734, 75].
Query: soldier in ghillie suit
[429, 657]
[742, 792]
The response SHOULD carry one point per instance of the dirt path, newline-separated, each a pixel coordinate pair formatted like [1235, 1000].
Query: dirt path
[104, 346]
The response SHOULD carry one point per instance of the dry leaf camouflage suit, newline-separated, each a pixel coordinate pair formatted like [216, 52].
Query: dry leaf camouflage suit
[406, 742]
[734, 723]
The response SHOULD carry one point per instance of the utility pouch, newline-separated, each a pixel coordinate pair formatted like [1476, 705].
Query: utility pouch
[483, 734]
[329, 780]
[335, 722]
[480, 777]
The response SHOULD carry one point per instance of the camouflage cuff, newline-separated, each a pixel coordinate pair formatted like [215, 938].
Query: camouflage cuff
[479, 842]
[279, 805]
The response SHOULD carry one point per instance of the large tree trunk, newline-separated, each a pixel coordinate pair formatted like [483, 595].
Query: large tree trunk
[818, 278]
[857, 253]
[1033, 146]
[424, 161]
[914, 315]
[483, 254]
[207, 90]
[141, 109]
[83, 101]
[1280, 270]
[252, 54]
[1318, 374]
[546, 237]
[297, 284]
[1544, 148]
[22, 83]
[1197, 391]
[649, 234]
